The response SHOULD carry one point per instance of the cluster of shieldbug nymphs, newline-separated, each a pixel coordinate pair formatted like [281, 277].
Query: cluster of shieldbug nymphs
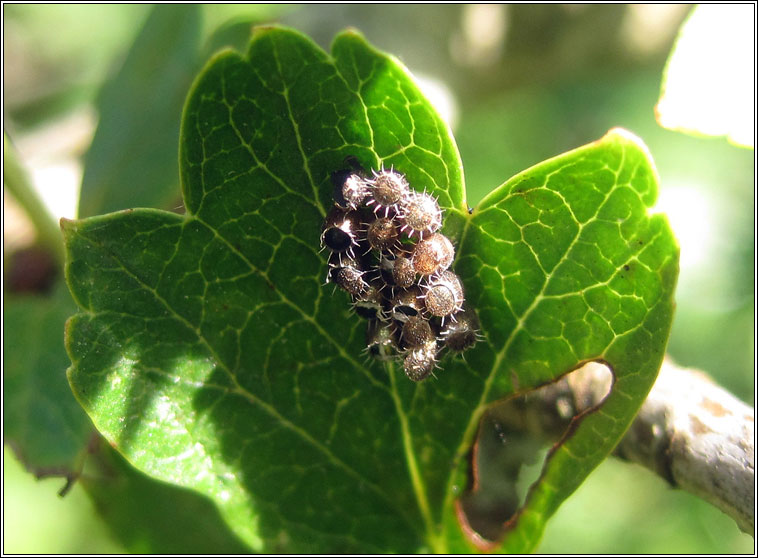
[386, 251]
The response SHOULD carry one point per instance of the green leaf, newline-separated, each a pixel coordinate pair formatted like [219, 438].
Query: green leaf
[566, 266]
[209, 353]
[42, 421]
[132, 159]
[152, 517]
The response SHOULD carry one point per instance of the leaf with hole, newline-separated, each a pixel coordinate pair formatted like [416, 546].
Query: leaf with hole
[208, 352]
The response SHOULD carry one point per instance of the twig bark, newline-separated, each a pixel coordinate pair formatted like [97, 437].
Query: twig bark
[701, 438]
[691, 432]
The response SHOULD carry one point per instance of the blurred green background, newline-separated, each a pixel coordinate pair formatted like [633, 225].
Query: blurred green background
[518, 83]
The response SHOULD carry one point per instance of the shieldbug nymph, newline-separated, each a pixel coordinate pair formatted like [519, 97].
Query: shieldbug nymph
[348, 276]
[341, 231]
[403, 273]
[355, 190]
[407, 303]
[462, 334]
[419, 362]
[350, 186]
[421, 214]
[381, 340]
[369, 303]
[433, 254]
[416, 331]
[382, 235]
[444, 295]
[388, 190]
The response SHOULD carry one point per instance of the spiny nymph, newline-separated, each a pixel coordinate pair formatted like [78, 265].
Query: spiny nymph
[388, 190]
[420, 214]
[444, 295]
[433, 255]
[341, 231]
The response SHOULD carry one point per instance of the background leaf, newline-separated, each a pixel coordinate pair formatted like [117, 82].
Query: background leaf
[42, 421]
[139, 113]
[211, 356]
[132, 159]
